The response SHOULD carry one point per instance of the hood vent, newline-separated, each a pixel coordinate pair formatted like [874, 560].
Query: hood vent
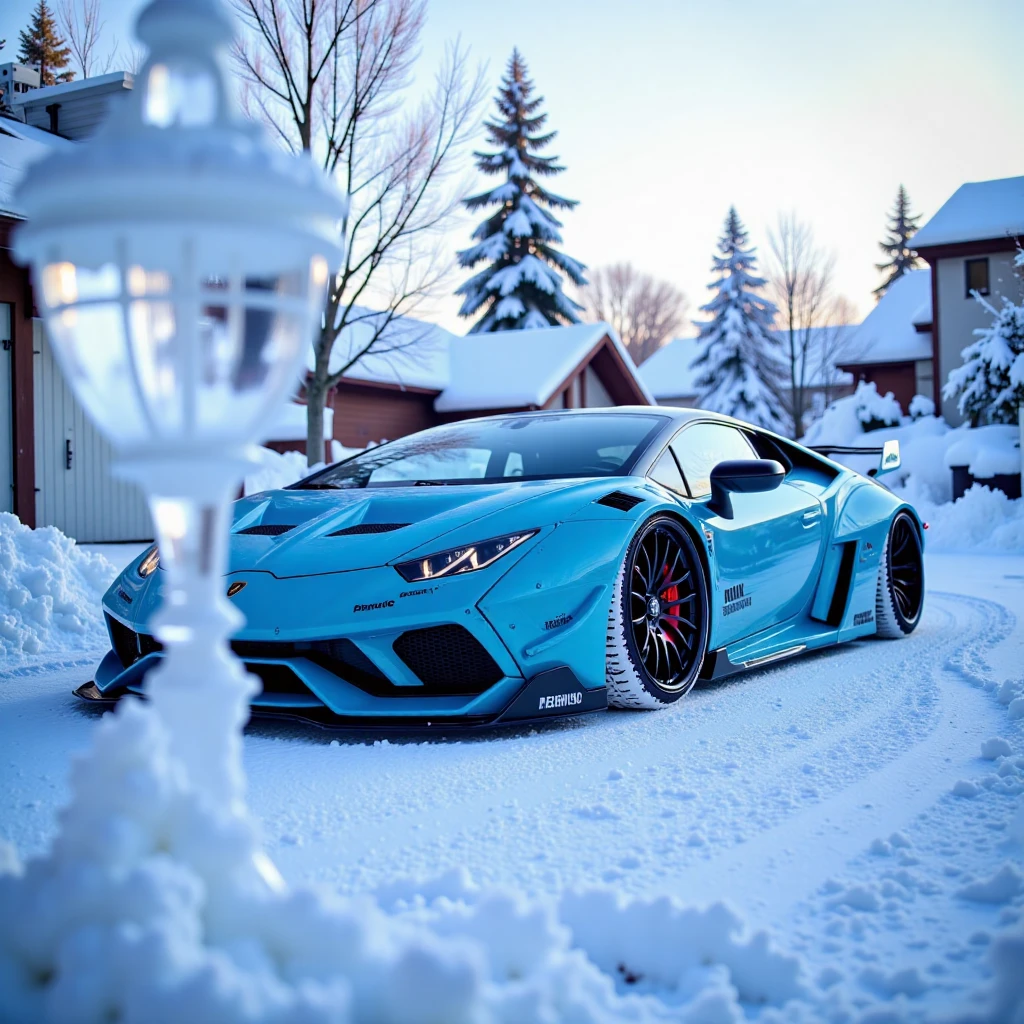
[267, 530]
[361, 528]
[620, 500]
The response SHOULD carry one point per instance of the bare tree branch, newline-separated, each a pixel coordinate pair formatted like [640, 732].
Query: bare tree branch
[644, 311]
[800, 274]
[81, 22]
[331, 78]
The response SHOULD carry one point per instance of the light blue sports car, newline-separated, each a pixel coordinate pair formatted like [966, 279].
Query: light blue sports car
[534, 565]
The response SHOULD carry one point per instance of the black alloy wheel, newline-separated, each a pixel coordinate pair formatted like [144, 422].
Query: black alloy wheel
[667, 607]
[905, 569]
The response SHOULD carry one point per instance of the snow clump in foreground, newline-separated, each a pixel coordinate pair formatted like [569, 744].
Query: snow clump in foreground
[153, 906]
[50, 590]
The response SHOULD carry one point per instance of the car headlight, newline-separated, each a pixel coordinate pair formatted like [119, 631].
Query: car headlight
[150, 562]
[468, 558]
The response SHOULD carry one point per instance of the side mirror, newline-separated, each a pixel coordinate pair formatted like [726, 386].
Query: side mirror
[744, 476]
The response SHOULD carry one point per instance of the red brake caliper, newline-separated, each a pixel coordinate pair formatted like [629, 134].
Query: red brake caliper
[669, 595]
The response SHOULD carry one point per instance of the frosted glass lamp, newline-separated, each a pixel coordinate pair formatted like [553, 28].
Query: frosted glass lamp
[180, 262]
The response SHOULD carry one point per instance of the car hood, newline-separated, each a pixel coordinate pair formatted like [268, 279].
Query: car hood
[333, 531]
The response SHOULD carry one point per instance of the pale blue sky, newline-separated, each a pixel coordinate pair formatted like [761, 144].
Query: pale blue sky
[667, 112]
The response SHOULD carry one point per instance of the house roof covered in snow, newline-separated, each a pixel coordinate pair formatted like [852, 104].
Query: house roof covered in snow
[977, 211]
[410, 353]
[502, 370]
[20, 146]
[512, 369]
[889, 333]
[669, 372]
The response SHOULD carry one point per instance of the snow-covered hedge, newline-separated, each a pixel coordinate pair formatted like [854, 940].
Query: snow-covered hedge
[50, 590]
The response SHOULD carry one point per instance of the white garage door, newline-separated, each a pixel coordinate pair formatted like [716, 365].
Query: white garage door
[74, 488]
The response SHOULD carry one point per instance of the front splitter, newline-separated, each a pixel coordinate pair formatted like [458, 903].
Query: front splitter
[553, 695]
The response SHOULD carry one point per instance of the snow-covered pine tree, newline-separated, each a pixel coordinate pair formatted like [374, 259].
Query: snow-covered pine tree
[989, 385]
[896, 244]
[43, 46]
[520, 287]
[740, 360]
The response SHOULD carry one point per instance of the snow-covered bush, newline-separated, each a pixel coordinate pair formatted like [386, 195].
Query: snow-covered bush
[920, 406]
[875, 411]
[846, 418]
[50, 590]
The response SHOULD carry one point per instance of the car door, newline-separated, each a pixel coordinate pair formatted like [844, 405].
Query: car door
[766, 555]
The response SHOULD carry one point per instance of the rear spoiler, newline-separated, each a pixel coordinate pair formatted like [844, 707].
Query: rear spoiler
[888, 455]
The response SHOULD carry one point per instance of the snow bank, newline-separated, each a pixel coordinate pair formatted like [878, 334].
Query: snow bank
[279, 469]
[982, 520]
[152, 906]
[50, 590]
[276, 470]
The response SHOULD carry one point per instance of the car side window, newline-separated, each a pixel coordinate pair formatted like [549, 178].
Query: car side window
[701, 446]
[666, 472]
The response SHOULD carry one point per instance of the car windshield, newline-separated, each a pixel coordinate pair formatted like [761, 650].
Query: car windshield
[547, 447]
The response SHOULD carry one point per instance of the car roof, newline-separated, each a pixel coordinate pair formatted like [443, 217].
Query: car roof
[676, 414]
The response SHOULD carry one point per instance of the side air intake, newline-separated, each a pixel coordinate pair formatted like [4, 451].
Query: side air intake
[266, 530]
[620, 500]
[361, 528]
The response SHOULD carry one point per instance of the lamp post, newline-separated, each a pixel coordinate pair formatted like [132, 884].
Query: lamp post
[180, 263]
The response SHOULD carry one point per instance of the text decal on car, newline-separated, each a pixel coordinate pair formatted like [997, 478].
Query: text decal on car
[373, 607]
[560, 700]
[734, 599]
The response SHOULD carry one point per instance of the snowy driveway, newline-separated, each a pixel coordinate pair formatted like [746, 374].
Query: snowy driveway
[840, 800]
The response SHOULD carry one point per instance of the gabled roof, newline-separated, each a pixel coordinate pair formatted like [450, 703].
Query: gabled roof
[669, 372]
[511, 369]
[503, 370]
[889, 334]
[977, 211]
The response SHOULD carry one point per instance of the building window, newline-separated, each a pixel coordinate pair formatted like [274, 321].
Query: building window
[976, 274]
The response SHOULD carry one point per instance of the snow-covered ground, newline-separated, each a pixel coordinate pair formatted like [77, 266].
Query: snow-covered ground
[861, 808]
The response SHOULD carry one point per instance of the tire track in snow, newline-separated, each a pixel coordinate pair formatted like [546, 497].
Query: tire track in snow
[880, 803]
[543, 806]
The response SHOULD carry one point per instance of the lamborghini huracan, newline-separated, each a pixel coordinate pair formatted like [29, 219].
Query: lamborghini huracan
[542, 564]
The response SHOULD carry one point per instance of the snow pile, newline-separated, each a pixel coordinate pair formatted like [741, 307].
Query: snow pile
[847, 418]
[50, 590]
[279, 469]
[276, 470]
[982, 520]
[152, 906]
[875, 410]
[988, 451]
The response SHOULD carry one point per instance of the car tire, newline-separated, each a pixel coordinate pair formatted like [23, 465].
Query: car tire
[655, 656]
[899, 595]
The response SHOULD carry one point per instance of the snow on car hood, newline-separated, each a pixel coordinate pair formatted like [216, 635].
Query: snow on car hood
[315, 541]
